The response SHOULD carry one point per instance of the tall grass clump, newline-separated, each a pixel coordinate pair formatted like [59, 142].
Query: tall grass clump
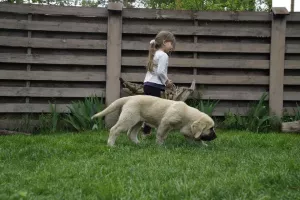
[206, 106]
[82, 111]
[50, 122]
[24, 125]
[257, 119]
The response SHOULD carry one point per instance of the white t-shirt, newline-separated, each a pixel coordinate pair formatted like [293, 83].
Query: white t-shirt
[160, 69]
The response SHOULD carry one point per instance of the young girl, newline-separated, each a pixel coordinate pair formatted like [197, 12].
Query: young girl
[157, 68]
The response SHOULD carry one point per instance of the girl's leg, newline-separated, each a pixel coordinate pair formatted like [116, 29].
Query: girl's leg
[152, 91]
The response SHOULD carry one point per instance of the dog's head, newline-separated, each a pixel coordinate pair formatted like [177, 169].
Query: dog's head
[203, 129]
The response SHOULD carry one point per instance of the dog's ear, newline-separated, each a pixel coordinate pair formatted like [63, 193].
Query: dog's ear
[197, 128]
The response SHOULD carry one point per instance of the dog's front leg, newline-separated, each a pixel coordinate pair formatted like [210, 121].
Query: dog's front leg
[161, 135]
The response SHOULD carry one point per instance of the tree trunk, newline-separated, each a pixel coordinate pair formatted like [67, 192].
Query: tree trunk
[174, 93]
[292, 5]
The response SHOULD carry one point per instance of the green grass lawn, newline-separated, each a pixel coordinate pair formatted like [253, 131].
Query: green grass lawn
[237, 165]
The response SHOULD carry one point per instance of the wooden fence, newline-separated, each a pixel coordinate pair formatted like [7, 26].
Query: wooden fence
[61, 54]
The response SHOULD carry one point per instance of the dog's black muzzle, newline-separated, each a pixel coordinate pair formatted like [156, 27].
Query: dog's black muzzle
[211, 136]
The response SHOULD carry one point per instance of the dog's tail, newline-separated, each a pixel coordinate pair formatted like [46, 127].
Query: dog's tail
[112, 107]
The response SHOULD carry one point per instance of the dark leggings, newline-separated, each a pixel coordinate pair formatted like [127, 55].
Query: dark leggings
[152, 91]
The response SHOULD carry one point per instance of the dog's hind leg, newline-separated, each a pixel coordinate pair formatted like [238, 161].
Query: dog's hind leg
[113, 134]
[126, 121]
[133, 132]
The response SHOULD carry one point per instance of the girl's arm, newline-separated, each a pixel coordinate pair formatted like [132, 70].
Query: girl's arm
[162, 68]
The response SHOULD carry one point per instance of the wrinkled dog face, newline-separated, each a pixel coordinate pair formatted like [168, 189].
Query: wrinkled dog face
[203, 129]
[207, 135]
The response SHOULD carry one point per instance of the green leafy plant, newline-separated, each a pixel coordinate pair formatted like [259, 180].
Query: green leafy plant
[234, 121]
[297, 113]
[81, 111]
[215, 5]
[25, 125]
[50, 122]
[206, 106]
[257, 119]
[287, 117]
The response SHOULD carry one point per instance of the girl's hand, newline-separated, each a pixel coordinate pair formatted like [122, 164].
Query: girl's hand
[169, 83]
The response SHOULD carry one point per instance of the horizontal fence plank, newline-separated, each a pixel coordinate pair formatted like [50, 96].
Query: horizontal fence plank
[204, 79]
[242, 111]
[244, 95]
[292, 64]
[63, 108]
[292, 48]
[31, 108]
[198, 30]
[292, 32]
[230, 95]
[291, 96]
[54, 10]
[52, 59]
[52, 26]
[203, 63]
[50, 92]
[233, 16]
[291, 80]
[12, 124]
[100, 92]
[212, 47]
[142, 13]
[220, 111]
[52, 76]
[293, 17]
[52, 43]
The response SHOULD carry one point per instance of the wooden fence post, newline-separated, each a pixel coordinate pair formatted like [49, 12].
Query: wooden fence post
[277, 58]
[113, 67]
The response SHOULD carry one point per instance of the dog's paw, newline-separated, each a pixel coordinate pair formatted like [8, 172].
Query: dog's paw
[110, 144]
[160, 142]
[137, 142]
[204, 144]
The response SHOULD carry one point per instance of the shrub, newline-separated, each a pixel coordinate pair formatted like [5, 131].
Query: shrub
[82, 111]
[257, 119]
[49, 122]
[24, 125]
[206, 106]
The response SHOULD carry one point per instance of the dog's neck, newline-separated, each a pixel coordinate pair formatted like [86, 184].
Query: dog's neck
[186, 130]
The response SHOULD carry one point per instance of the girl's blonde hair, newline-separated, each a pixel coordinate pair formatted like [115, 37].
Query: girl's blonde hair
[158, 43]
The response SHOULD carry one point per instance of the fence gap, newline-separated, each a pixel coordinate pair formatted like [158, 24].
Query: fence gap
[28, 67]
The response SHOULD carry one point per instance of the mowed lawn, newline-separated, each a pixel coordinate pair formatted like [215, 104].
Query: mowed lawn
[237, 165]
